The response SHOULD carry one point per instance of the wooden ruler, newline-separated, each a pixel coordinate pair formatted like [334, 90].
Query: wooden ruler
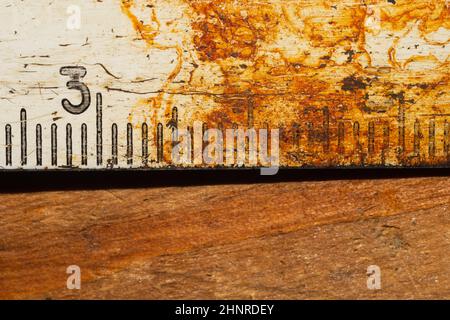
[300, 83]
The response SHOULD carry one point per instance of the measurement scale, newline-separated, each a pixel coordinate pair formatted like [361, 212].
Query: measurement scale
[113, 84]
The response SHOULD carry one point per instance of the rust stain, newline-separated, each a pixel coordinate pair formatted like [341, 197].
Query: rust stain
[346, 81]
[148, 31]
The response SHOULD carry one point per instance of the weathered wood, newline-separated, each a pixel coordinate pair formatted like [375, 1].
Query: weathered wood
[286, 240]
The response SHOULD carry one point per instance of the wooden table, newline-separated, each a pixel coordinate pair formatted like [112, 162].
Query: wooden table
[303, 235]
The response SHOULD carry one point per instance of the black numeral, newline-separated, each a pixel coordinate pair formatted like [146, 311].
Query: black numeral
[76, 74]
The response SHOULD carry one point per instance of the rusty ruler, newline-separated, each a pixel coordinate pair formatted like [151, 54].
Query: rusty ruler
[209, 84]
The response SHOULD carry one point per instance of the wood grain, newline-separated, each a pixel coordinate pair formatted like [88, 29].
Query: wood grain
[288, 240]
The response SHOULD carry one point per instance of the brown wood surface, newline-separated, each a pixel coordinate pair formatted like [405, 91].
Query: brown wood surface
[287, 240]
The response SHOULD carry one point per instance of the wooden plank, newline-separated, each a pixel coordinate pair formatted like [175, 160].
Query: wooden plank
[293, 240]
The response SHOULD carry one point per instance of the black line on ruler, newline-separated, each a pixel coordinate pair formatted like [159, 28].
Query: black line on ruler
[296, 134]
[385, 150]
[357, 141]
[310, 128]
[220, 127]
[23, 137]
[447, 139]
[174, 123]
[417, 136]
[159, 143]
[84, 144]
[54, 146]
[250, 113]
[69, 145]
[8, 144]
[114, 148]
[341, 135]
[191, 134]
[129, 144]
[144, 144]
[432, 138]
[205, 137]
[326, 128]
[99, 129]
[401, 129]
[38, 145]
[356, 136]
[267, 128]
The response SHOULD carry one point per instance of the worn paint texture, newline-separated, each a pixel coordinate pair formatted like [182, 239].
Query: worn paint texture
[348, 83]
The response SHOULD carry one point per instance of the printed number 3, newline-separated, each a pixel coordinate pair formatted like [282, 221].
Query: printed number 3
[75, 74]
